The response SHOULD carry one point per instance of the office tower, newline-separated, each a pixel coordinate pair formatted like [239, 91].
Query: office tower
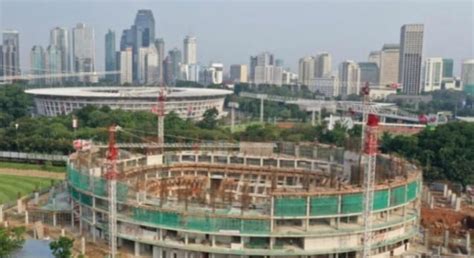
[1, 61]
[369, 72]
[265, 59]
[142, 35]
[323, 65]
[467, 76]
[124, 65]
[83, 45]
[433, 74]
[218, 77]
[60, 39]
[306, 70]
[448, 67]
[289, 78]
[53, 63]
[189, 50]
[190, 72]
[264, 69]
[11, 52]
[110, 55]
[37, 64]
[239, 73]
[279, 62]
[327, 86]
[389, 64]
[160, 48]
[253, 64]
[374, 57]
[213, 74]
[152, 66]
[349, 78]
[127, 39]
[411, 49]
[173, 66]
[168, 71]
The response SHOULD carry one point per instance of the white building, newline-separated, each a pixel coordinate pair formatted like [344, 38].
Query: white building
[152, 66]
[323, 67]
[190, 72]
[268, 74]
[327, 86]
[467, 76]
[374, 57]
[190, 50]
[60, 39]
[289, 78]
[411, 50]
[306, 68]
[214, 74]
[125, 63]
[389, 64]
[239, 73]
[83, 51]
[433, 74]
[349, 78]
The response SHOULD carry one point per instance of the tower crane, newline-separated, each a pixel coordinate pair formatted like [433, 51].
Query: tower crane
[111, 177]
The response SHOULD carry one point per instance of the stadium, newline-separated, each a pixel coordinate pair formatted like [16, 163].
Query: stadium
[186, 102]
[267, 200]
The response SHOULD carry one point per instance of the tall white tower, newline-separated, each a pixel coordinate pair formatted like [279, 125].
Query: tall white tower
[190, 50]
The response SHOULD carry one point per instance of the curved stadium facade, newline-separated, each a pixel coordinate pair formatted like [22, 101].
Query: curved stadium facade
[303, 202]
[186, 102]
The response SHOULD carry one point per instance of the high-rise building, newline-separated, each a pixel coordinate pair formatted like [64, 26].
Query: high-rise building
[349, 78]
[369, 72]
[411, 49]
[60, 39]
[142, 35]
[389, 61]
[127, 39]
[110, 55]
[1, 61]
[239, 73]
[124, 65]
[306, 70]
[83, 45]
[467, 76]
[264, 71]
[253, 64]
[11, 53]
[174, 66]
[323, 66]
[37, 64]
[448, 67]
[279, 62]
[374, 57]
[327, 86]
[152, 66]
[189, 50]
[433, 74]
[53, 64]
[190, 72]
[160, 47]
[214, 74]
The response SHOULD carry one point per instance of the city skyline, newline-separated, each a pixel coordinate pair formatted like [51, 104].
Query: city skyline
[214, 47]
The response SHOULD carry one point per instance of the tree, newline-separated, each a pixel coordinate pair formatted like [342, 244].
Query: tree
[62, 247]
[11, 240]
[209, 120]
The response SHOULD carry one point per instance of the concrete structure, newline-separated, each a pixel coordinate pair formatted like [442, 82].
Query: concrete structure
[448, 68]
[246, 203]
[374, 57]
[369, 72]
[83, 52]
[323, 66]
[411, 50]
[110, 55]
[327, 86]
[189, 50]
[173, 66]
[214, 74]
[263, 69]
[125, 65]
[451, 84]
[389, 64]
[239, 73]
[433, 74]
[37, 64]
[59, 38]
[53, 64]
[289, 78]
[52, 102]
[349, 78]
[467, 76]
[306, 67]
[11, 53]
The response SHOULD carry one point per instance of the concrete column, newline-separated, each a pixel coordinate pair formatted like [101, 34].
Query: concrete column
[54, 219]
[446, 239]
[261, 110]
[457, 207]
[297, 150]
[36, 200]
[186, 239]
[156, 252]
[445, 190]
[83, 246]
[468, 243]
[308, 211]
[63, 232]
[19, 205]
[232, 119]
[137, 249]
[272, 242]
[1, 213]
[272, 210]
[427, 238]
[213, 241]
[261, 162]
[313, 117]
[27, 219]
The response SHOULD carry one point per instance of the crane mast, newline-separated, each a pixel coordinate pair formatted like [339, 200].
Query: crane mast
[111, 176]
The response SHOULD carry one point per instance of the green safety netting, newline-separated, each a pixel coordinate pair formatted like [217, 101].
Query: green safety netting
[351, 203]
[290, 207]
[380, 200]
[324, 205]
[397, 195]
[412, 190]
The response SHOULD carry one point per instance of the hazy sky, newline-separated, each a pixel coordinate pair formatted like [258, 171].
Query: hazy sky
[231, 31]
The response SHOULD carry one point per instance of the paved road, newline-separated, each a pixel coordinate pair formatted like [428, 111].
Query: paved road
[32, 173]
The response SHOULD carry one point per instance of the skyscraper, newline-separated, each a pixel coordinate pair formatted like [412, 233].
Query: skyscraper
[83, 45]
[60, 39]
[1, 61]
[174, 63]
[160, 48]
[411, 49]
[306, 70]
[37, 64]
[152, 66]
[323, 66]
[349, 78]
[53, 64]
[467, 76]
[253, 64]
[142, 35]
[110, 54]
[264, 69]
[11, 52]
[433, 74]
[189, 50]
[369, 72]
[124, 65]
[448, 66]
[374, 57]
[239, 73]
[389, 61]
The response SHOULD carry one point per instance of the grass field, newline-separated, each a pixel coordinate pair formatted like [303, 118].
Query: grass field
[25, 166]
[11, 185]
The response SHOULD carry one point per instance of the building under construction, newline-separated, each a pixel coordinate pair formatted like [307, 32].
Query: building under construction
[258, 200]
